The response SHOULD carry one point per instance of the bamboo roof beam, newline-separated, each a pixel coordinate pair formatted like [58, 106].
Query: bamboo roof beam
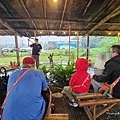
[25, 8]
[58, 21]
[65, 30]
[86, 8]
[45, 14]
[4, 23]
[63, 15]
[113, 14]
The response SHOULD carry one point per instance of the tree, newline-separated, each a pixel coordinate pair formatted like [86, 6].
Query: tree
[106, 43]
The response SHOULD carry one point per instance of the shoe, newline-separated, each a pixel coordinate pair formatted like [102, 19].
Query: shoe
[74, 104]
[62, 92]
[52, 107]
[104, 105]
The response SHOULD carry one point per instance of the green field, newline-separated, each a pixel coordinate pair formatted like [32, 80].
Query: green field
[59, 55]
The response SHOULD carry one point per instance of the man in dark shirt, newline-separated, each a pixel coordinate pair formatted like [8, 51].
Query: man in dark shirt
[110, 73]
[36, 50]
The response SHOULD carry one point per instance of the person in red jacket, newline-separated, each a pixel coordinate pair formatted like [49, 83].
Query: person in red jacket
[79, 82]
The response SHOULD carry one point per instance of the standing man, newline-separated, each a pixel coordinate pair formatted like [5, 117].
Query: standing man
[110, 73]
[36, 50]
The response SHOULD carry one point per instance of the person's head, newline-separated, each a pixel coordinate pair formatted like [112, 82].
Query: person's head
[36, 40]
[81, 64]
[28, 62]
[115, 50]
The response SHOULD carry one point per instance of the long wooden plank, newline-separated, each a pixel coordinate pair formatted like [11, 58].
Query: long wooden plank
[57, 117]
[89, 95]
[99, 102]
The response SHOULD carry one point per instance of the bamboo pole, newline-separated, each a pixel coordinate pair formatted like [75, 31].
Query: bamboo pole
[69, 45]
[87, 47]
[17, 50]
[89, 95]
[94, 112]
[105, 110]
[57, 117]
[99, 102]
[78, 46]
[118, 37]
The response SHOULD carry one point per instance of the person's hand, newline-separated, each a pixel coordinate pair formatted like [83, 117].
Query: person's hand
[91, 77]
[39, 53]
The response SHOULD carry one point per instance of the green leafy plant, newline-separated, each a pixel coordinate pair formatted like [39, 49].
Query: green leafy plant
[61, 73]
[58, 73]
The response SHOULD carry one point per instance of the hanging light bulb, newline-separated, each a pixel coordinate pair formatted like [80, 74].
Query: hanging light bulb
[55, 0]
[52, 32]
[75, 32]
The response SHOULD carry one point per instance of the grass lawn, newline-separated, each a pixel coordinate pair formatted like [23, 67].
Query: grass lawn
[59, 55]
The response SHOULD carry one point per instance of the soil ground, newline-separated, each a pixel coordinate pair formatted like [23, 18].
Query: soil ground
[62, 106]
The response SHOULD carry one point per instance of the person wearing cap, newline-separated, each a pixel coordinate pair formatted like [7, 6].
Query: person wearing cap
[36, 50]
[25, 101]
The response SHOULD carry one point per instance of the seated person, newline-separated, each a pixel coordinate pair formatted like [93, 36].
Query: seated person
[79, 82]
[25, 101]
[99, 63]
[110, 73]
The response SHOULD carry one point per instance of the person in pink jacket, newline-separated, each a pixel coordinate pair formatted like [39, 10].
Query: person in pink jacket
[79, 82]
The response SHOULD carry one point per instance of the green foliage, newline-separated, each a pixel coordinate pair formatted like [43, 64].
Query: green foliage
[44, 69]
[107, 42]
[59, 72]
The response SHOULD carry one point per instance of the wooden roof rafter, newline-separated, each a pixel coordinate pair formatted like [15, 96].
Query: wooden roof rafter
[45, 14]
[4, 23]
[86, 8]
[26, 10]
[58, 21]
[112, 14]
[63, 13]
[102, 11]
[66, 30]
[4, 8]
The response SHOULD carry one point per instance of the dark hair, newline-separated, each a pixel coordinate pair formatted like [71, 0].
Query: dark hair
[116, 48]
[36, 39]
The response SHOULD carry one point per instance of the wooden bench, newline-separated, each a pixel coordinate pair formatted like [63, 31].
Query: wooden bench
[91, 101]
[57, 117]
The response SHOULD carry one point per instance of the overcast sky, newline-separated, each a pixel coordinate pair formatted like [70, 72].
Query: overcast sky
[11, 39]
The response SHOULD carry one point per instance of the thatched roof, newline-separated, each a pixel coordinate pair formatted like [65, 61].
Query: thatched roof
[45, 17]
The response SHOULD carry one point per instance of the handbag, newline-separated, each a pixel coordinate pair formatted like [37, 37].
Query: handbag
[108, 89]
[18, 79]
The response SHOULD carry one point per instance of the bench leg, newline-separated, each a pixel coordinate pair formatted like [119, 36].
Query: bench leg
[106, 109]
[94, 112]
[87, 111]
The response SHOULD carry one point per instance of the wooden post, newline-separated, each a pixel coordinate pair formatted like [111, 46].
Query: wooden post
[17, 50]
[35, 33]
[94, 112]
[87, 47]
[78, 46]
[69, 45]
[119, 38]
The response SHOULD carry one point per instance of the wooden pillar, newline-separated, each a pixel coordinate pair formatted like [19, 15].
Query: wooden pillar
[69, 45]
[17, 50]
[35, 33]
[78, 45]
[119, 38]
[87, 47]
